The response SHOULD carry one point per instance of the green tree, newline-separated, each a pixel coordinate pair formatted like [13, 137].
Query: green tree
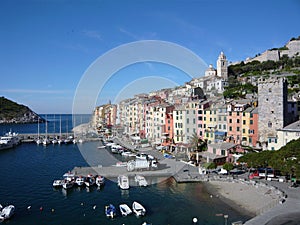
[228, 166]
[197, 143]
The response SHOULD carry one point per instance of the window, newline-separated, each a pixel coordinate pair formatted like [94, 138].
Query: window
[188, 130]
[222, 152]
[220, 126]
[230, 120]
[251, 115]
[224, 126]
[220, 118]
[238, 120]
[251, 122]
[210, 119]
[250, 140]
[230, 128]
[244, 122]
[244, 131]
[238, 129]
[187, 120]
[194, 121]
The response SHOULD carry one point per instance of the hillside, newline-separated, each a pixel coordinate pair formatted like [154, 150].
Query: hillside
[12, 112]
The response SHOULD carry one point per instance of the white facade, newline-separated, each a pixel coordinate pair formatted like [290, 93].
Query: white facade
[284, 136]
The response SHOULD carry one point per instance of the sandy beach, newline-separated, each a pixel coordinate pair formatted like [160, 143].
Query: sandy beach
[245, 197]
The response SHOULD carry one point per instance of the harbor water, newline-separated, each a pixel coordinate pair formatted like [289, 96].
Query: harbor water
[27, 173]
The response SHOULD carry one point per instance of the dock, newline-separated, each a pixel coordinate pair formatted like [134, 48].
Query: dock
[31, 137]
[166, 168]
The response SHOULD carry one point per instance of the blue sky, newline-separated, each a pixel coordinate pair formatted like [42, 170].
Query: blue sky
[47, 46]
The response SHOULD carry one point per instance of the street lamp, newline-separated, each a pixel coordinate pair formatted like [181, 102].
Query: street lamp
[225, 218]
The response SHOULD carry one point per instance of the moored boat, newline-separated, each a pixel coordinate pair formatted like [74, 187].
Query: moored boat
[80, 181]
[90, 180]
[6, 212]
[100, 180]
[125, 209]
[58, 183]
[142, 182]
[110, 211]
[123, 182]
[138, 209]
[68, 184]
[69, 176]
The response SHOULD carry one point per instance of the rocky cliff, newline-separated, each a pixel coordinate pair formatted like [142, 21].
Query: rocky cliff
[12, 112]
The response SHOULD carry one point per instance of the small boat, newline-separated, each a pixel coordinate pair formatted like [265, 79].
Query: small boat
[90, 180]
[138, 209]
[39, 141]
[123, 182]
[80, 181]
[101, 147]
[6, 212]
[69, 176]
[125, 209]
[46, 142]
[58, 183]
[68, 184]
[110, 211]
[142, 182]
[54, 141]
[128, 154]
[100, 180]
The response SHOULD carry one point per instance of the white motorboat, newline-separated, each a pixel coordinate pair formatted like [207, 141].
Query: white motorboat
[69, 176]
[116, 148]
[138, 209]
[123, 182]
[7, 212]
[68, 141]
[10, 137]
[128, 154]
[100, 180]
[80, 181]
[58, 183]
[125, 209]
[142, 182]
[101, 147]
[68, 184]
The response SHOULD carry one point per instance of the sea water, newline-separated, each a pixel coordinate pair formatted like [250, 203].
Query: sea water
[28, 171]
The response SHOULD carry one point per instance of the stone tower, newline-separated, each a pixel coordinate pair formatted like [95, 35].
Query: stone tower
[272, 106]
[222, 65]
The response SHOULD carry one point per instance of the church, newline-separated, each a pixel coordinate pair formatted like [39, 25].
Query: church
[214, 80]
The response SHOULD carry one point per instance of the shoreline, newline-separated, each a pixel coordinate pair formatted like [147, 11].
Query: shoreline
[214, 191]
[252, 199]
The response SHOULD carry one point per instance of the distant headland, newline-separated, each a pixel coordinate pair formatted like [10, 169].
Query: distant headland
[12, 112]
